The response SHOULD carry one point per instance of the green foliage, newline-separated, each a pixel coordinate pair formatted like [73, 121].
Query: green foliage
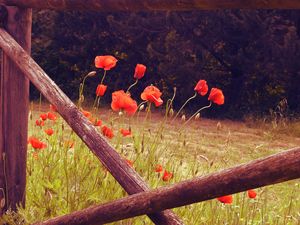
[252, 55]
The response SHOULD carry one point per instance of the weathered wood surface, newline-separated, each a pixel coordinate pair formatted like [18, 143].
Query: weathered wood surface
[143, 5]
[14, 103]
[273, 169]
[116, 165]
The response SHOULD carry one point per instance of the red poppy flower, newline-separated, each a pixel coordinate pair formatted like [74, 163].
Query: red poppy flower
[36, 144]
[101, 89]
[140, 70]
[49, 131]
[123, 101]
[167, 176]
[44, 116]
[87, 114]
[51, 116]
[105, 62]
[158, 168]
[252, 193]
[107, 132]
[125, 132]
[98, 123]
[39, 123]
[53, 108]
[227, 199]
[129, 162]
[201, 87]
[216, 96]
[152, 94]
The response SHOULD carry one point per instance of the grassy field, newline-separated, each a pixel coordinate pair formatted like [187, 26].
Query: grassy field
[65, 176]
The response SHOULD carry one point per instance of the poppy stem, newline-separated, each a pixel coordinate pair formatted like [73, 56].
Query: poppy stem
[205, 107]
[135, 83]
[81, 87]
[194, 96]
[103, 77]
[170, 102]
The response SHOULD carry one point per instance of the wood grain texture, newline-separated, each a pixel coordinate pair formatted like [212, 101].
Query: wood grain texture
[14, 103]
[144, 5]
[273, 169]
[123, 173]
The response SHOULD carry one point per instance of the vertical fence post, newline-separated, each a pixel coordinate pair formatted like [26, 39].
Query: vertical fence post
[14, 104]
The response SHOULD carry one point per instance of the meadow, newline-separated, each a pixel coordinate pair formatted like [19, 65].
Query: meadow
[65, 176]
[164, 147]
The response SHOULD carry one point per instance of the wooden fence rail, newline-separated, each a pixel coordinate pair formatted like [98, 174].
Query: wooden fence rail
[122, 172]
[273, 169]
[142, 5]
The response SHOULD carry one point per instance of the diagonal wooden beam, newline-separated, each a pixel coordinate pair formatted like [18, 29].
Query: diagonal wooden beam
[146, 5]
[122, 172]
[271, 170]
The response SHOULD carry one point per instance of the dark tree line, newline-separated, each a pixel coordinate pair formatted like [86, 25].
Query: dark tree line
[252, 55]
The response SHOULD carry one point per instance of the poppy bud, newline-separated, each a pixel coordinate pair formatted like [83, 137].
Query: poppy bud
[171, 112]
[81, 99]
[183, 118]
[142, 107]
[91, 74]
[197, 116]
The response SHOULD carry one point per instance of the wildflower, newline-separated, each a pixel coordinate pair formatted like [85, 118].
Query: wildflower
[87, 114]
[125, 132]
[44, 116]
[123, 101]
[158, 168]
[201, 87]
[49, 131]
[167, 176]
[107, 132]
[216, 96]
[69, 144]
[53, 108]
[51, 116]
[251, 193]
[101, 89]
[40, 123]
[105, 62]
[36, 144]
[152, 94]
[129, 162]
[140, 70]
[98, 123]
[227, 199]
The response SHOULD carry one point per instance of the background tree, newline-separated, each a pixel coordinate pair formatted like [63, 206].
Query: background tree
[251, 55]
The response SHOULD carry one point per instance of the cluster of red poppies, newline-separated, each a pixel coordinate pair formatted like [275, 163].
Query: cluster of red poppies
[35, 143]
[216, 95]
[122, 101]
[228, 199]
[166, 175]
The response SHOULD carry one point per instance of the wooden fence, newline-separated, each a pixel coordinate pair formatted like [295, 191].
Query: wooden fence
[18, 68]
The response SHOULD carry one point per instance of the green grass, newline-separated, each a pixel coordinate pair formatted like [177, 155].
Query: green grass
[62, 180]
